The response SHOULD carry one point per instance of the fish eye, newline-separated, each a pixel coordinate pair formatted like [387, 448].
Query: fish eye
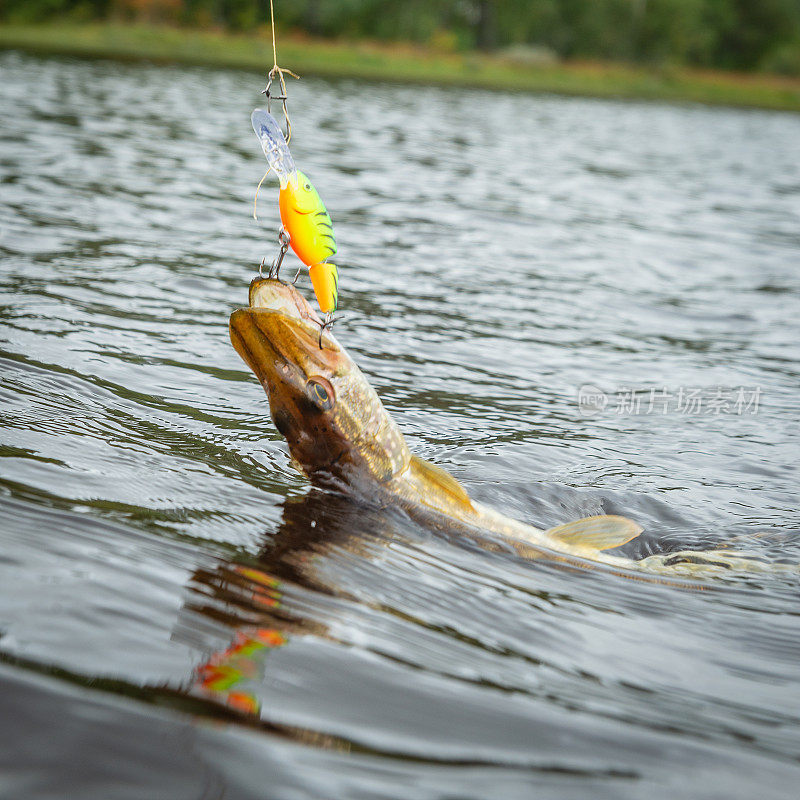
[308, 187]
[321, 392]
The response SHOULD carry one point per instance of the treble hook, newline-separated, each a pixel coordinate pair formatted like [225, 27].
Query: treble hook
[284, 239]
[275, 266]
[329, 320]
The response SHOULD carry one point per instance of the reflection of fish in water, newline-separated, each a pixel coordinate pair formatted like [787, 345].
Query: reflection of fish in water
[341, 436]
[250, 598]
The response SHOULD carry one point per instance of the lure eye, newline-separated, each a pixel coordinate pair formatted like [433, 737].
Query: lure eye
[308, 187]
[321, 392]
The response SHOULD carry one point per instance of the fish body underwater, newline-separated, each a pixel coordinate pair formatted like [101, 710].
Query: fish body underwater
[341, 436]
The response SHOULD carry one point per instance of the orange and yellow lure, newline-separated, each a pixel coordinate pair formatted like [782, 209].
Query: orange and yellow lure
[303, 214]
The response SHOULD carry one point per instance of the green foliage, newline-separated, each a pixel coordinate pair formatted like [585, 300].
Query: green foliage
[784, 60]
[41, 10]
[732, 34]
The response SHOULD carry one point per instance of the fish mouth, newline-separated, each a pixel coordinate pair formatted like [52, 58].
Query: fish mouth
[337, 430]
[275, 295]
[278, 337]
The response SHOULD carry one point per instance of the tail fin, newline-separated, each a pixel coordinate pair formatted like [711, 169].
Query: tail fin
[596, 533]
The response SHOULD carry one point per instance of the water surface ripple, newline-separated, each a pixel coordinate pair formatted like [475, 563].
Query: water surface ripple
[180, 617]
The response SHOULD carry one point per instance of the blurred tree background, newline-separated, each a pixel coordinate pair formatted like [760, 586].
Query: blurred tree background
[728, 34]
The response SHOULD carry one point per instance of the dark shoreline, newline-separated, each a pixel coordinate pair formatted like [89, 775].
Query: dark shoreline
[402, 64]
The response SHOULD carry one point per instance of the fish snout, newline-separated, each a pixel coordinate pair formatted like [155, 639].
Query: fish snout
[282, 350]
[250, 338]
[270, 293]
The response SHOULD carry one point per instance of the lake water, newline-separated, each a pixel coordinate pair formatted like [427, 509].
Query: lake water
[181, 618]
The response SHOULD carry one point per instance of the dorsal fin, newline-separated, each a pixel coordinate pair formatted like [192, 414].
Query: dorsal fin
[435, 478]
[597, 533]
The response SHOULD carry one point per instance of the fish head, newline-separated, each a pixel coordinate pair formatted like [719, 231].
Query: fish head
[337, 429]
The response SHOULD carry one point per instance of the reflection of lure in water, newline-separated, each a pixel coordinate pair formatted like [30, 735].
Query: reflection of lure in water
[225, 675]
[303, 214]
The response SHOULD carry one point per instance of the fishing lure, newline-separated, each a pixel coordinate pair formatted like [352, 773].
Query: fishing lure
[303, 215]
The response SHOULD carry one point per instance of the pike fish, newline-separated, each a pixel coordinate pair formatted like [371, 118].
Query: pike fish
[341, 436]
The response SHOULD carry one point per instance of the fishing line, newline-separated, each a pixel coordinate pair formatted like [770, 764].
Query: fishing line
[283, 97]
[279, 71]
[258, 188]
